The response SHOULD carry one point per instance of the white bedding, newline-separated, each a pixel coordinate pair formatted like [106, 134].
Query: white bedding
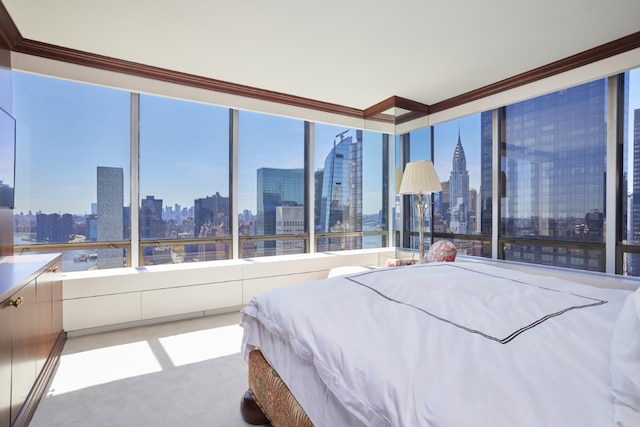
[442, 344]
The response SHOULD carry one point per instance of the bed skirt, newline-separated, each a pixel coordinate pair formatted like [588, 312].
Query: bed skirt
[272, 397]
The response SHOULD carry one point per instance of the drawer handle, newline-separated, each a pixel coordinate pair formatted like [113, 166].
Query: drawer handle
[54, 269]
[16, 302]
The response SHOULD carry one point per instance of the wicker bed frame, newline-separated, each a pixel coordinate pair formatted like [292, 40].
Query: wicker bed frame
[268, 398]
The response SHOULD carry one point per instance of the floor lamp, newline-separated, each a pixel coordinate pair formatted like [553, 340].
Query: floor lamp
[420, 178]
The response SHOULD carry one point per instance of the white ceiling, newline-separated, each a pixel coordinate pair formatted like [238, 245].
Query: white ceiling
[353, 53]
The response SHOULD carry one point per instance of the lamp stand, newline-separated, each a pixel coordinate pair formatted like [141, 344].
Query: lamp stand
[420, 208]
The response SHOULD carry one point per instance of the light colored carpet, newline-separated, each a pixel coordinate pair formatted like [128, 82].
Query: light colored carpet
[183, 373]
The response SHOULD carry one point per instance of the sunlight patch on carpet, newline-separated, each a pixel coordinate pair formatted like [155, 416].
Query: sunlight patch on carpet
[203, 345]
[100, 366]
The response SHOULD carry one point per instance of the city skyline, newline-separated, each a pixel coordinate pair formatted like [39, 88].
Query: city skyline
[275, 145]
[79, 178]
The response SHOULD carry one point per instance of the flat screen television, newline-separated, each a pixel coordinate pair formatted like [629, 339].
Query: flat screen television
[7, 160]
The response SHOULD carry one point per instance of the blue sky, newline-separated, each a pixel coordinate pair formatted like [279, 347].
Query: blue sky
[184, 150]
[65, 130]
[56, 163]
[445, 141]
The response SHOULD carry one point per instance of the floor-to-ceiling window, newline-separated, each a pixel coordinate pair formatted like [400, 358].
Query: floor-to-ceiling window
[338, 187]
[184, 181]
[271, 199]
[462, 158]
[72, 170]
[375, 189]
[411, 147]
[552, 201]
[630, 186]
[74, 144]
[350, 211]
[183, 165]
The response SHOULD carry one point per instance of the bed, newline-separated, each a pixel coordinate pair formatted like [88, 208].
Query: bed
[443, 344]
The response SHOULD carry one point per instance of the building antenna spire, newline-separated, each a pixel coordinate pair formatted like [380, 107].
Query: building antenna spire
[341, 135]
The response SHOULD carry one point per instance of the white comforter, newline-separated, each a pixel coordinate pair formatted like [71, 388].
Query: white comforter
[451, 344]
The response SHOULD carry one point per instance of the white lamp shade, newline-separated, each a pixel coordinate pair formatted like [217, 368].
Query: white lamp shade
[420, 177]
[398, 178]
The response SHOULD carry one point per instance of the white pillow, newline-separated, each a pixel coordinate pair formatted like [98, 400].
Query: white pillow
[625, 364]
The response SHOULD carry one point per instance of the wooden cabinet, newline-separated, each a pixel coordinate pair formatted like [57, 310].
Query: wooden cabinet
[5, 366]
[31, 335]
[49, 312]
[23, 345]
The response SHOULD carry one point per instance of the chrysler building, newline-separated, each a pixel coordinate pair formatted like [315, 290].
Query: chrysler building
[459, 185]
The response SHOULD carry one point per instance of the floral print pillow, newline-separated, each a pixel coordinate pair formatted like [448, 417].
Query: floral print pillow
[442, 250]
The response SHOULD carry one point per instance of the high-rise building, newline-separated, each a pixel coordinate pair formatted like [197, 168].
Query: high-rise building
[211, 219]
[341, 196]
[54, 228]
[341, 190]
[290, 220]
[458, 221]
[442, 203]
[318, 178]
[633, 233]
[152, 225]
[485, 211]
[472, 210]
[553, 174]
[6, 194]
[110, 215]
[212, 212]
[91, 226]
[550, 130]
[276, 187]
[459, 185]
[153, 205]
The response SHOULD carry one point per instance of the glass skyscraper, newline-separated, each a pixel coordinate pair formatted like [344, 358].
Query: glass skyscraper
[553, 165]
[341, 192]
[486, 177]
[276, 187]
[341, 196]
[633, 232]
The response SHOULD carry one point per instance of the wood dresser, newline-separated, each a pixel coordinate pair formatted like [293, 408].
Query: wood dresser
[31, 334]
